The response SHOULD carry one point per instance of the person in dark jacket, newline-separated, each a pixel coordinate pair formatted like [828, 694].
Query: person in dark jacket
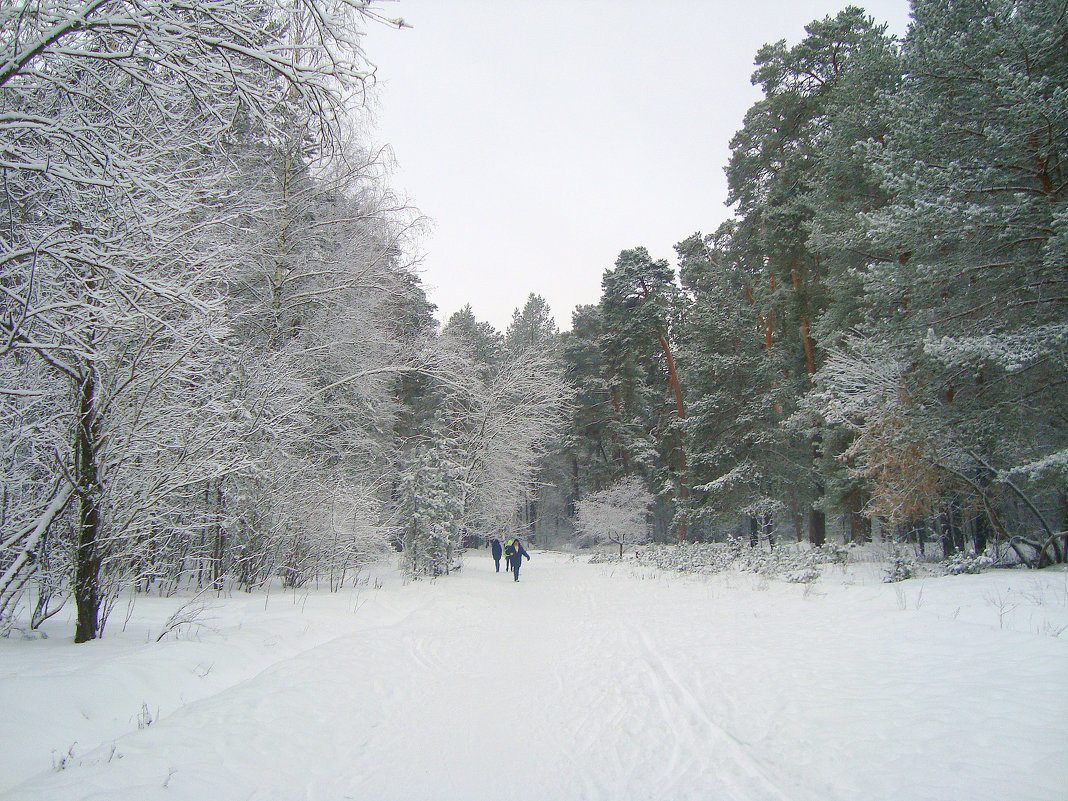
[515, 552]
[495, 548]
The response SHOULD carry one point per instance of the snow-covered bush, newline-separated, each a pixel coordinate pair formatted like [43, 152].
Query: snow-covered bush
[601, 558]
[967, 563]
[901, 566]
[804, 575]
[782, 563]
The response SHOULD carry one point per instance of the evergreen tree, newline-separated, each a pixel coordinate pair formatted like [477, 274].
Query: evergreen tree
[973, 307]
[533, 330]
[638, 302]
[593, 454]
[737, 445]
[532, 326]
[475, 339]
[786, 162]
[431, 505]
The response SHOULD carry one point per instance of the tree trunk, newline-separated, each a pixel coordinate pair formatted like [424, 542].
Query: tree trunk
[817, 520]
[87, 555]
[859, 528]
[220, 541]
[810, 350]
[769, 530]
[952, 533]
[980, 531]
[622, 451]
[680, 410]
[532, 515]
[574, 486]
[817, 527]
[1063, 496]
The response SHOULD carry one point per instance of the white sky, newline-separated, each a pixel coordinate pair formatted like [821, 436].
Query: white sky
[542, 137]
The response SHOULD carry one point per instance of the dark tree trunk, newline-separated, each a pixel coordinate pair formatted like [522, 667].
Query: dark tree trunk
[87, 555]
[859, 528]
[574, 485]
[951, 529]
[754, 531]
[817, 527]
[980, 531]
[919, 531]
[532, 518]
[220, 541]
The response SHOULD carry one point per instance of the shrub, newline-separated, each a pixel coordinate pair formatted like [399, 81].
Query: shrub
[967, 563]
[784, 563]
[902, 566]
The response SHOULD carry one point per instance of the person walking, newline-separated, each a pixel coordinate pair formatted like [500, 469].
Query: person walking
[515, 552]
[495, 548]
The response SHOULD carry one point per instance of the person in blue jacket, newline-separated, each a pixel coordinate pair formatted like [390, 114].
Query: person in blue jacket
[495, 548]
[515, 552]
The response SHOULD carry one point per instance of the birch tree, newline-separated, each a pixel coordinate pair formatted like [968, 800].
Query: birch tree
[318, 307]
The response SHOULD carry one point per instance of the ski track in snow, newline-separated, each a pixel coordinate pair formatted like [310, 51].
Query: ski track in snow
[589, 683]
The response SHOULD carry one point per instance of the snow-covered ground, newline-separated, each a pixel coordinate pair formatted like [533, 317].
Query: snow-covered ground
[579, 682]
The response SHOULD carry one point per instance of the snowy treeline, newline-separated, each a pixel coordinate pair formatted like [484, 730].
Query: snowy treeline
[216, 364]
[881, 330]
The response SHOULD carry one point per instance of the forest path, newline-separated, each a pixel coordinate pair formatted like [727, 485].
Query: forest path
[473, 687]
[587, 683]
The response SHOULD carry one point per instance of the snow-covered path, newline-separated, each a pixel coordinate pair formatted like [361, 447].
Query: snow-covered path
[602, 682]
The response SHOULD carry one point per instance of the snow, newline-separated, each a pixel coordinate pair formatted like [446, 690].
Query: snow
[581, 681]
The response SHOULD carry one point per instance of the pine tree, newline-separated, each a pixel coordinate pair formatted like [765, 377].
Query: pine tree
[974, 304]
[532, 326]
[638, 302]
[787, 175]
[738, 464]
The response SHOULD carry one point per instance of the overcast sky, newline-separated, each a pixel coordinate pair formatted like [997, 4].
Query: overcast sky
[542, 137]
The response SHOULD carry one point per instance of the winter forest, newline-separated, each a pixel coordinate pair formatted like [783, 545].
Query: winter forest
[219, 366]
[219, 369]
